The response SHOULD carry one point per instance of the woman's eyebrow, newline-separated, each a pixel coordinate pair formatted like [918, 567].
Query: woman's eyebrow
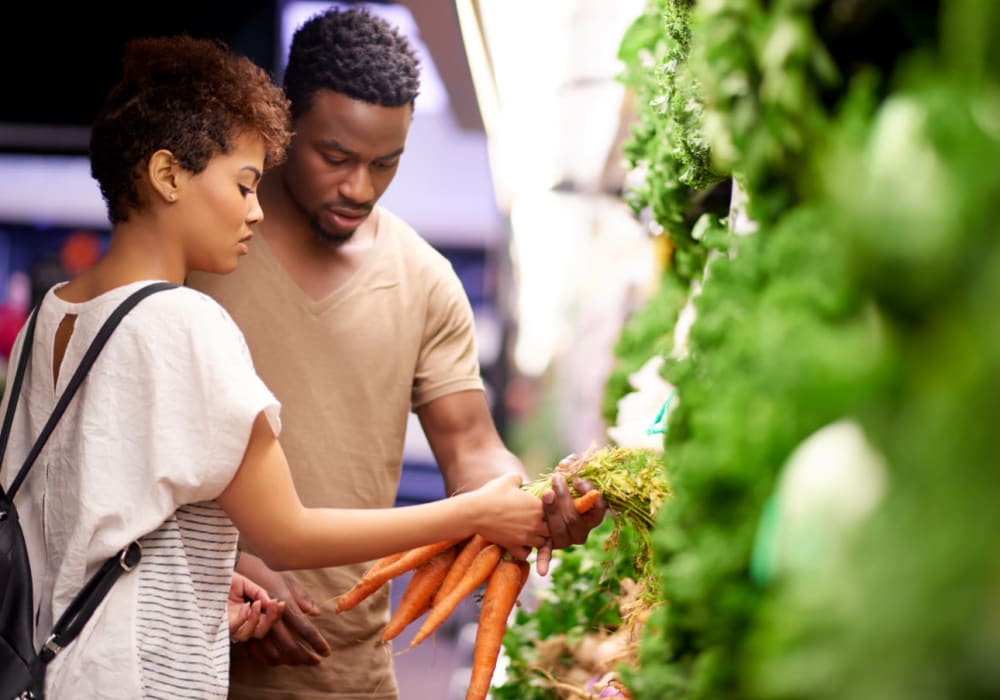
[255, 171]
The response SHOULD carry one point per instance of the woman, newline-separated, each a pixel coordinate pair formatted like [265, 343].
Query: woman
[172, 439]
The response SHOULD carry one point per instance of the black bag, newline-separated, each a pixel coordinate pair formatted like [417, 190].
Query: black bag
[22, 668]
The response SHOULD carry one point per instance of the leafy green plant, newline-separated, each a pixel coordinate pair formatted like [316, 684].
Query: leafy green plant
[785, 340]
[761, 68]
[771, 75]
[782, 345]
[666, 143]
[909, 609]
[838, 306]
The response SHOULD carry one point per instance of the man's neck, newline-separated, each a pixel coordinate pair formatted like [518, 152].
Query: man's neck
[318, 268]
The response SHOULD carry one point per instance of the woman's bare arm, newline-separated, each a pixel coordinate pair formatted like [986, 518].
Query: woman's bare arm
[263, 503]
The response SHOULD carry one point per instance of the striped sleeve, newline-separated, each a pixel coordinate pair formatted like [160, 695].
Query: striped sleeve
[182, 630]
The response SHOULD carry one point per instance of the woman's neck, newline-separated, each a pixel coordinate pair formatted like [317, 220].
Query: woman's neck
[134, 254]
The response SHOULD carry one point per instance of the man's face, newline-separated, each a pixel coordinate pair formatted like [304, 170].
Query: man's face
[344, 155]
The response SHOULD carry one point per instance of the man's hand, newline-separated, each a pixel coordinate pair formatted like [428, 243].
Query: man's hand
[292, 640]
[252, 612]
[566, 526]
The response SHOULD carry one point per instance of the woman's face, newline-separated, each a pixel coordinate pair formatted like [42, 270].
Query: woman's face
[219, 205]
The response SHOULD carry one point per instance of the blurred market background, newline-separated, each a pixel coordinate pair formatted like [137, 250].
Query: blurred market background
[756, 239]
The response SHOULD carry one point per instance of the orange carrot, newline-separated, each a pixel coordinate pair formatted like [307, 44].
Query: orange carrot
[382, 563]
[504, 586]
[586, 501]
[413, 558]
[480, 569]
[477, 542]
[417, 596]
[472, 547]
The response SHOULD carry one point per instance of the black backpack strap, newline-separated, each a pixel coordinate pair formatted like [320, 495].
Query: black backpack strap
[14, 390]
[77, 379]
[86, 601]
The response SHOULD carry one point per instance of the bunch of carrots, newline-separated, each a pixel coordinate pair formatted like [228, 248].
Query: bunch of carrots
[445, 573]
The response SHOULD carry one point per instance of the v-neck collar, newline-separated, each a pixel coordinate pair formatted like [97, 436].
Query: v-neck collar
[360, 278]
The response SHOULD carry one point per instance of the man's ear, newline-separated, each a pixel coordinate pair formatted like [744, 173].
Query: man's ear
[165, 175]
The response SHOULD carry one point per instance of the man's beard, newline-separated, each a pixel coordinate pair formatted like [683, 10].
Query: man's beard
[328, 239]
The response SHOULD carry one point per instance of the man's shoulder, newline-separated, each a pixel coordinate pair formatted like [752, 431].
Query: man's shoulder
[402, 232]
[408, 241]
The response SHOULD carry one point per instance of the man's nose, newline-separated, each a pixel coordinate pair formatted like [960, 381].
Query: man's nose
[357, 187]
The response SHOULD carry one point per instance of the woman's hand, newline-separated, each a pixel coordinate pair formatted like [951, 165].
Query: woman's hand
[252, 612]
[509, 516]
[293, 640]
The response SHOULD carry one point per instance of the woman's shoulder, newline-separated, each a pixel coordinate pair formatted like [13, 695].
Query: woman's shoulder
[187, 304]
[176, 313]
[186, 323]
[168, 298]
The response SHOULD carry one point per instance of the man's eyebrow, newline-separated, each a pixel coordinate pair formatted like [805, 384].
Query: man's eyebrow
[335, 145]
[395, 154]
[255, 171]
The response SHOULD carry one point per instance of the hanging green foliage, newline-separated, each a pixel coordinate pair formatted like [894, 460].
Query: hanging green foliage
[771, 74]
[785, 341]
[666, 145]
[782, 345]
[761, 69]
[867, 144]
[910, 609]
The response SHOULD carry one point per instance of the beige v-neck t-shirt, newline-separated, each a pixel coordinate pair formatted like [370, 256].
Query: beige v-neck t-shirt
[347, 370]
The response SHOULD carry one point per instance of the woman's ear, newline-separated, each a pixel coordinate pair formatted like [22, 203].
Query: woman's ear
[165, 175]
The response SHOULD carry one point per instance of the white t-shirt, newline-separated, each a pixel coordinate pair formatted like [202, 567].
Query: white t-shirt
[152, 437]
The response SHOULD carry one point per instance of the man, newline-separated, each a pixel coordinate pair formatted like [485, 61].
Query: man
[353, 320]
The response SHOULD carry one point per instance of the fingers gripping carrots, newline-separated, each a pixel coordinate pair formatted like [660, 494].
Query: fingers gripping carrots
[586, 501]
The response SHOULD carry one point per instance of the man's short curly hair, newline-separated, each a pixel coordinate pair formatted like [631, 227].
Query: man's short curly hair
[354, 53]
[190, 96]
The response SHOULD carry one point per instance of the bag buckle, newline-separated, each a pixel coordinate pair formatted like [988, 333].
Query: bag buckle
[130, 556]
[49, 650]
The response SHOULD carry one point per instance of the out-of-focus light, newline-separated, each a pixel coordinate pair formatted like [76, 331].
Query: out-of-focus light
[575, 258]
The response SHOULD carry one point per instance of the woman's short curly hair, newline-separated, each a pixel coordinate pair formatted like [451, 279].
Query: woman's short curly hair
[190, 96]
[354, 53]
